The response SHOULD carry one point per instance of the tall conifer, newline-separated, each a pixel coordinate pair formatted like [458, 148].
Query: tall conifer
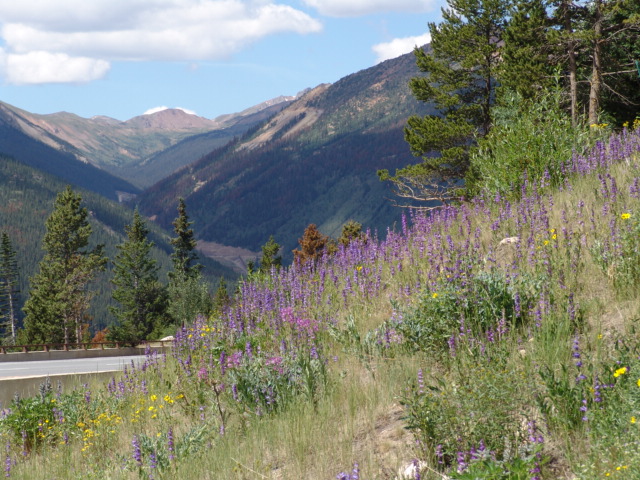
[142, 299]
[58, 295]
[188, 294]
[460, 81]
[184, 244]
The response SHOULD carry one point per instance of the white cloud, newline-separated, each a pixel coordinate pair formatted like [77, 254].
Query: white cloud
[44, 67]
[140, 30]
[164, 107]
[354, 8]
[399, 46]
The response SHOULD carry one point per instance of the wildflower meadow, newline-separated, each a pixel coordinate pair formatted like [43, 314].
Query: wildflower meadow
[493, 339]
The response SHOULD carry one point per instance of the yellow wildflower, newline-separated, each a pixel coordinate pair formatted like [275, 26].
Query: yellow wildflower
[625, 216]
[633, 419]
[435, 295]
[620, 371]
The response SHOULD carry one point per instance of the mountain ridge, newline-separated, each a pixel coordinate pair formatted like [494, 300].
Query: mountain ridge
[314, 161]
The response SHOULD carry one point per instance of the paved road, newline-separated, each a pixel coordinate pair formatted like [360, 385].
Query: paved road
[56, 367]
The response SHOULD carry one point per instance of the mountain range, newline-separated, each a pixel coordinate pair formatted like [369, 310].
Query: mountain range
[268, 170]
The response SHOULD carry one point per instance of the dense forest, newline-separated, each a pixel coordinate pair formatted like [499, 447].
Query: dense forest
[26, 200]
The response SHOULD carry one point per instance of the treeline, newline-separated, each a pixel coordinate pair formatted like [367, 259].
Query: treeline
[26, 200]
[60, 292]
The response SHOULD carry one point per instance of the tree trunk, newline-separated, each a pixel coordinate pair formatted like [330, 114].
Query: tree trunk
[596, 75]
[12, 317]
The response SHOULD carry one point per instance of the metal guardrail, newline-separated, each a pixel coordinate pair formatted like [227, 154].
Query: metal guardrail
[67, 347]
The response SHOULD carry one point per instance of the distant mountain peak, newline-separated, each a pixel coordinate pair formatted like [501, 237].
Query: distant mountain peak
[170, 119]
[152, 111]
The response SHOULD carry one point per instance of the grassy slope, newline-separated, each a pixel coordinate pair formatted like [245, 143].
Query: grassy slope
[566, 287]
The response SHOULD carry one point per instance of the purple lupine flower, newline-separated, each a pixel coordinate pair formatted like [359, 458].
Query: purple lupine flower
[452, 345]
[153, 460]
[137, 452]
[439, 454]
[416, 469]
[234, 391]
[170, 444]
[355, 473]
[7, 463]
[583, 409]
[420, 382]
[462, 463]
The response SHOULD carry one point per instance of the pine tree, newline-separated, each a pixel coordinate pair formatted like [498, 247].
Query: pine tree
[613, 29]
[188, 293]
[525, 68]
[9, 289]
[351, 231]
[59, 296]
[184, 244]
[461, 75]
[142, 299]
[270, 257]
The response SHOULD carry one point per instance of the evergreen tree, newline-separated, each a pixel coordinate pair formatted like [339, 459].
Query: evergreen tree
[351, 231]
[461, 75]
[188, 293]
[525, 68]
[184, 245]
[188, 298]
[58, 295]
[613, 30]
[9, 289]
[270, 257]
[142, 299]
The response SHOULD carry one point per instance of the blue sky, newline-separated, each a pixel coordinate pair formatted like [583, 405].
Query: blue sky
[122, 58]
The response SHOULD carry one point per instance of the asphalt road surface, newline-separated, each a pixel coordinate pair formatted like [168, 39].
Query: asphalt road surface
[57, 367]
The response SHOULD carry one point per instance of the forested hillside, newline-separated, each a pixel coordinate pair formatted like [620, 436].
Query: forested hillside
[63, 164]
[314, 162]
[26, 200]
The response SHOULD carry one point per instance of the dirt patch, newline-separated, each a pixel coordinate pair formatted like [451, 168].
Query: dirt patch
[390, 440]
[235, 258]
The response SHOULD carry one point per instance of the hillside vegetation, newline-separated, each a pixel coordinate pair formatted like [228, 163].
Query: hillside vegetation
[313, 162]
[26, 200]
[494, 339]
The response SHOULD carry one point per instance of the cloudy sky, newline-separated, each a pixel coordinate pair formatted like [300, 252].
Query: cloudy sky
[122, 58]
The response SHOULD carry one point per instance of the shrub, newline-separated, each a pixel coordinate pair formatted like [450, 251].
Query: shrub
[478, 305]
[533, 137]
